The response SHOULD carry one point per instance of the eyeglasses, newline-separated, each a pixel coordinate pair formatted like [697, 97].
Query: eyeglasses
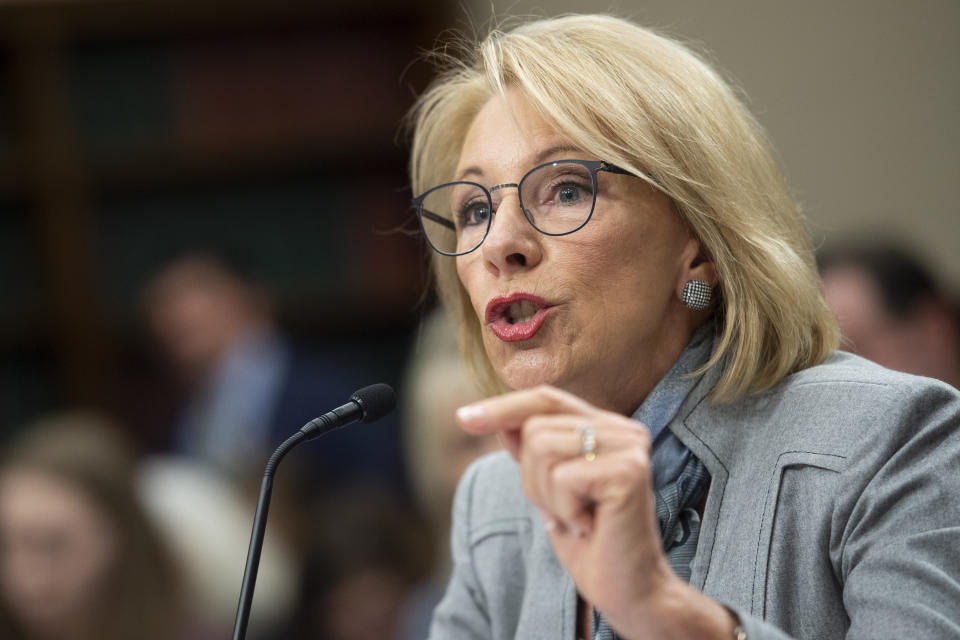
[557, 198]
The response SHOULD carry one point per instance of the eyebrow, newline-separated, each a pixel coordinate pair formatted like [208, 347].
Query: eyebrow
[539, 158]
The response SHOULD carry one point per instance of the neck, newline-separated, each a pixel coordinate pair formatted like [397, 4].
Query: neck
[624, 395]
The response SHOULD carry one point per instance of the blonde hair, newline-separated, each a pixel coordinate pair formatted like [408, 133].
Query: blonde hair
[646, 103]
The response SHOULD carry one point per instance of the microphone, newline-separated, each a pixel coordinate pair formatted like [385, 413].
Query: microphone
[366, 405]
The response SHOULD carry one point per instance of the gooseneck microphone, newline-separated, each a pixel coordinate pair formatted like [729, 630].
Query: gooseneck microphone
[366, 405]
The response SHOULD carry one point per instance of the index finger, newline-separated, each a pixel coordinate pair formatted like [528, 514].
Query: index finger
[509, 411]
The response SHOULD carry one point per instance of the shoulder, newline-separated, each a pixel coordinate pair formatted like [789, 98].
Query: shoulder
[859, 397]
[845, 407]
[844, 386]
[850, 371]
[881, 421]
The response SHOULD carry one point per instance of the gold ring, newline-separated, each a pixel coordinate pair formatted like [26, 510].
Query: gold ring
[588, 442]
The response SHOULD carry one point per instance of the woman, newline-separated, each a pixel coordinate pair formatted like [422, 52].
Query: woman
[690, 456]
[78, 558]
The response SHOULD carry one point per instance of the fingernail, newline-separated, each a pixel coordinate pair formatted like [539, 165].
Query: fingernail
[470, 412]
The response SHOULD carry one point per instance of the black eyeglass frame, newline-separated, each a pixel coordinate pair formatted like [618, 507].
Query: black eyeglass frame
[593, 166]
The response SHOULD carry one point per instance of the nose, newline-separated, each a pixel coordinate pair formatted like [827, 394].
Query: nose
[512, 244]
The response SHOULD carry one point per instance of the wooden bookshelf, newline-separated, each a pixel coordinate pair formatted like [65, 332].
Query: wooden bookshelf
[129, 130]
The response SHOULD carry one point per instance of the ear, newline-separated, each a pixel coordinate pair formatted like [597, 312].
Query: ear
[696, 264]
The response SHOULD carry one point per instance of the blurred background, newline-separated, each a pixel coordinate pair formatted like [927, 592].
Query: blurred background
[194, 190]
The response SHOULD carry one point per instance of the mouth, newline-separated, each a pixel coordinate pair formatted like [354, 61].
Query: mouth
[516, 317]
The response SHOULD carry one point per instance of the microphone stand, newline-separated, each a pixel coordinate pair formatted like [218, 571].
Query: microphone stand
[256, 536]
[366, 405]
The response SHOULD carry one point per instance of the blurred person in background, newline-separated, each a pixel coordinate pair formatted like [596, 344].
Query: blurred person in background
[891, 309]
[249, 387]
[437, 452]
[205, 520]
[365, 552]
[79, 559]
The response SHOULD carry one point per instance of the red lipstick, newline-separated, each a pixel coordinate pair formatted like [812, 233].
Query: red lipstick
[516, 317]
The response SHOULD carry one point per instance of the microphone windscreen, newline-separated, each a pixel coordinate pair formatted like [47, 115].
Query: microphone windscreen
[376, 401]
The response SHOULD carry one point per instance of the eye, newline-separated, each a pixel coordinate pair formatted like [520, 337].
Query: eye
[569, 194]
[473, 213]
[568, 191]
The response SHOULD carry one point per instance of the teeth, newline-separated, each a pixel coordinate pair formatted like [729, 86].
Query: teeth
[521, 311]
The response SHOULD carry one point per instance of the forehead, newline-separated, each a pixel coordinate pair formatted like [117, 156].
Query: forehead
[31, 496]
[508, 134]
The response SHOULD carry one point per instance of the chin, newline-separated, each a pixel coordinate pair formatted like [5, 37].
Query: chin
[518, 382]
[526, 370]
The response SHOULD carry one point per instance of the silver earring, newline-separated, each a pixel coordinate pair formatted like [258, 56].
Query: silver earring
[696, 295]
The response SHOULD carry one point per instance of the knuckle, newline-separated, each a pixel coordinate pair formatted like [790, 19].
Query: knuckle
[635, 465]
[637, 433]
[533, 423]
[559, 476]
[534, 438]
[553, 395]
[642, 438]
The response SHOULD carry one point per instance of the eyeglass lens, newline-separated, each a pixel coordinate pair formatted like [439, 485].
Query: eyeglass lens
[558, 198]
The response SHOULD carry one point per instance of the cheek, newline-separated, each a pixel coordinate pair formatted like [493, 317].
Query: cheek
[602, 276]
[95, 555]
[463, 272]
[88, 551]
[466, 270]
[624, 290]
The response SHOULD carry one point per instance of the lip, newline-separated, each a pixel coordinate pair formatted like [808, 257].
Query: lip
[496, 319]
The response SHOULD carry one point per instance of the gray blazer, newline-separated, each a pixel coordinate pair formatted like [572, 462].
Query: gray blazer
[833, 512]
